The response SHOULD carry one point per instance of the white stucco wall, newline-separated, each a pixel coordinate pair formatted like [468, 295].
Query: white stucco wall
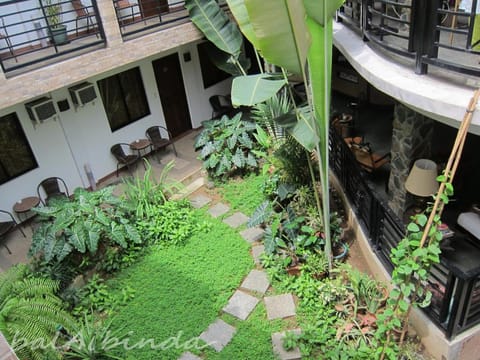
[82, 135]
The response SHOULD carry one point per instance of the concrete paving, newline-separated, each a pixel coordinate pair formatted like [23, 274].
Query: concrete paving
[218, 210]
[199, 201]
[252, 234]
[236, 220]
[256, 281]
[218, 334]
[241, 305]
[277, 343]
[257, 252]
[279, 306]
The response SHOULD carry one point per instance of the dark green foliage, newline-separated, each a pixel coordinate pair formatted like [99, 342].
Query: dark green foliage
[92, 340]
[293, 163]
[171, 223]
[74, 231]
[226, 147]
[95, 296]
[30, 312]
[141, 194]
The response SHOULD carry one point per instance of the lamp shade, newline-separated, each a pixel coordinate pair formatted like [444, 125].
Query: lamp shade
[422, 180]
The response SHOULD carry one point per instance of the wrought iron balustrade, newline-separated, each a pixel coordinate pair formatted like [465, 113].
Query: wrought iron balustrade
[455, 282]
[438, 32]
[33, 32]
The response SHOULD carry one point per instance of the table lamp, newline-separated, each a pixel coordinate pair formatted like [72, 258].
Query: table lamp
[422, 180]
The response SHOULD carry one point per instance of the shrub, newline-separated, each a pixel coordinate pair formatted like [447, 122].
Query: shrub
[227, 147]
[171, 223]
[77, 232]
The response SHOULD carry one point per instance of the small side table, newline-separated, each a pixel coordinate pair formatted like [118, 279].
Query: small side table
[139, 145]
[23, 206]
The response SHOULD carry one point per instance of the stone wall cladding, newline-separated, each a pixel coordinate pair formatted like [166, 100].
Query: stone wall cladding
[117, 53]
[411, 140]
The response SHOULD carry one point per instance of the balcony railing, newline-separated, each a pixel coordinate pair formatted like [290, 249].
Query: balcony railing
[29, 36]
[144, 16]
[455, 282]
[433, 32]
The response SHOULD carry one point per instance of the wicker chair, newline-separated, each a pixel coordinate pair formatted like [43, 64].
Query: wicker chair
[52, 187]
[157, 141]
[7, 225]
[122, 154]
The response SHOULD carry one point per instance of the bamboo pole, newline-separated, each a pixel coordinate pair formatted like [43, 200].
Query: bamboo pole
[453, 160]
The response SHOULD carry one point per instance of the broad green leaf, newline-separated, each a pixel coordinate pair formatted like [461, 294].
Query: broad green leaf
[222, 60]
[317, 9]
[239, 11]
[133, 233]
[253, 89]
[215, 25]
[283, 38]
[301, 128]
[412, 227]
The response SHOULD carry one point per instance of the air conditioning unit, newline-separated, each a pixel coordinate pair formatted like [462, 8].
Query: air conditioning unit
[82, 93]
[41, 109]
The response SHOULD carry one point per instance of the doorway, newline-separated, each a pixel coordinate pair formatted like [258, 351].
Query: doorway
[153, 8]
[168, 76]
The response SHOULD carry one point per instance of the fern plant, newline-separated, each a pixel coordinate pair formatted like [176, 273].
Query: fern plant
[227, 147]
[31, 313]
[75, 231]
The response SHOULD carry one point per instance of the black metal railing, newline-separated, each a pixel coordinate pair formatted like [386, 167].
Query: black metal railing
[148, 15]
[455, 282]
[33, 32]
[433, 32]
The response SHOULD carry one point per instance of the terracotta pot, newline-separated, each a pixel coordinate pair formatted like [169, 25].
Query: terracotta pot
[294, 270]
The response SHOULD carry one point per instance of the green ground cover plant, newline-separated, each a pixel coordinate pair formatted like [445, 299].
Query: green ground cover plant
[245, 194]
[181, 288]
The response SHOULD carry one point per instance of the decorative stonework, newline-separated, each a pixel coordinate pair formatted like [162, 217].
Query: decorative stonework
[411, 140]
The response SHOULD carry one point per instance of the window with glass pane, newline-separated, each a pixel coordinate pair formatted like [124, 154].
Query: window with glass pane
[124, 98]
[16, 157]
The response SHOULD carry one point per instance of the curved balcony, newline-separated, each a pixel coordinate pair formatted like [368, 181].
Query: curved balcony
[411, 59]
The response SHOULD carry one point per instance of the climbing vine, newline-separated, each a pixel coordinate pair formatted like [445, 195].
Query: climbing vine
[412, 259]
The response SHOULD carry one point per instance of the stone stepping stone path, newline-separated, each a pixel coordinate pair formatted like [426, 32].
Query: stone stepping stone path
[257, 252]
[279, 306]
[189, 356]
[236, 220]
[256, 281]
[277, 342]
[218, 334]
[252, 234]
[241, 305]
[200, 201]
[218, 210]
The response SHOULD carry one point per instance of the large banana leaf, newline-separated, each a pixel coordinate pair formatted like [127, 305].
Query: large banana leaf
[315, 9]
[253, 89]
[301, 126]
[239, 11]
[283, 38]
[215, 25]
[221, 60]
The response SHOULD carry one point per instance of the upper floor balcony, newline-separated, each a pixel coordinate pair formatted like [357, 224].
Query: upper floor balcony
[426, 35]
[36, 33]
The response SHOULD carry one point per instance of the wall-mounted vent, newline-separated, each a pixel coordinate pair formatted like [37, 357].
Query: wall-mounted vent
[82, 93]
[41, 110]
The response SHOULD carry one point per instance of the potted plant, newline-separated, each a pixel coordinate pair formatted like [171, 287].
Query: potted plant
[58, 31]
